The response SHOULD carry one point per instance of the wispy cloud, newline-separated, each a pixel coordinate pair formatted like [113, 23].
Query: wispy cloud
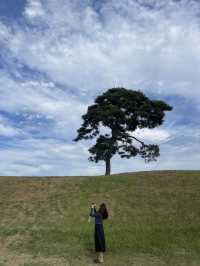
[122, 43]
[6, 129]
[34, 9]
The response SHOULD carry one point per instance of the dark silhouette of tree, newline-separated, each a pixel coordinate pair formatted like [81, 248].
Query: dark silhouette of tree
[122, 111]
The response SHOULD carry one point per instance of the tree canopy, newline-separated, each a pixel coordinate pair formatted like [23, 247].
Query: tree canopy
[122, 111]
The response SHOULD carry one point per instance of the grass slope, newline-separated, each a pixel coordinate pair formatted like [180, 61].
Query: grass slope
[154, 219]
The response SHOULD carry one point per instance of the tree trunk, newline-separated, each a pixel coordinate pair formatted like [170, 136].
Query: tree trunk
[107, 166]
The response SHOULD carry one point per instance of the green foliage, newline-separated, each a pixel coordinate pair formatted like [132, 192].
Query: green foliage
[122, 111]
[104, 148]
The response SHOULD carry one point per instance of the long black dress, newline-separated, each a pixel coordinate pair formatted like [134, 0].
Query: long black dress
[99, 235]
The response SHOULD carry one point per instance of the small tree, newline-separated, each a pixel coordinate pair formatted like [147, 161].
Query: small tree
[122, 111]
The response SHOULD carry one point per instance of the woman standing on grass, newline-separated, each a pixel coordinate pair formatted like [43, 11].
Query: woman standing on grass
[99, 236]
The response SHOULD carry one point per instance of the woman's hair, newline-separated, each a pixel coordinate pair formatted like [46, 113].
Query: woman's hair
[103, 210]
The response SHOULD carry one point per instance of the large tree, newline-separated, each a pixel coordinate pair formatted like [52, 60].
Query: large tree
[121, 111]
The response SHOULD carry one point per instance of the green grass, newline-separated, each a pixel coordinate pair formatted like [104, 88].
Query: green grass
[154, 219]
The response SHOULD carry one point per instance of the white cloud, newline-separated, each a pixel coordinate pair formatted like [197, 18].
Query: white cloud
[8, 131]
[34, 9]
[156, 135]
[40, 98]
[125, 44]
[44, 157]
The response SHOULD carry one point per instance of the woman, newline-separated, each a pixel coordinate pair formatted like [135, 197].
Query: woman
[99, 236]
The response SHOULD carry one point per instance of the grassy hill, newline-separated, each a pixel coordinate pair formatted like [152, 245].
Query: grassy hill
[154, 219]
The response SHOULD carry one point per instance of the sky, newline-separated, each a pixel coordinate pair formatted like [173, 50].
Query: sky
[57, 56]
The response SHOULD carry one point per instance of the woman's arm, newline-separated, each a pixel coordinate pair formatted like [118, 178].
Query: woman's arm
[93, 212]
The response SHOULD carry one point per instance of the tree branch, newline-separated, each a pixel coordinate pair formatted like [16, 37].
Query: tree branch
[141, 142]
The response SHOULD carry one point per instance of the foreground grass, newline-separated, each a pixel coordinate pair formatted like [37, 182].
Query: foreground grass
[154, 219]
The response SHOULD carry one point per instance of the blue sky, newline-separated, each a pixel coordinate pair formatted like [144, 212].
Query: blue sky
[56, 56]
